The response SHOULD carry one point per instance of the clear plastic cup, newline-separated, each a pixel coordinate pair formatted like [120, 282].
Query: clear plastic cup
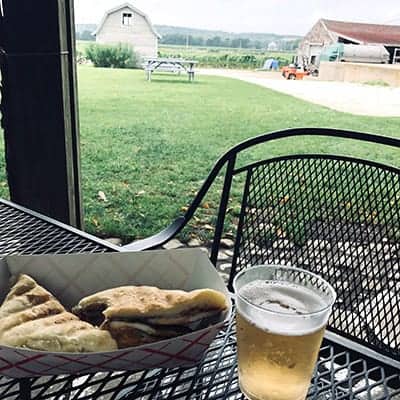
[281, 315]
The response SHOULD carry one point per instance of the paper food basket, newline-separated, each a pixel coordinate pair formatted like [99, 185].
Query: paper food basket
[72, 277]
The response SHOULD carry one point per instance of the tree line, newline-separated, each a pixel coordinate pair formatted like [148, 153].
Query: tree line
[85, 35]
[215, 41]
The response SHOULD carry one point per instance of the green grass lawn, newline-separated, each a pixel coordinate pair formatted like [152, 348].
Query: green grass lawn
[148, 146]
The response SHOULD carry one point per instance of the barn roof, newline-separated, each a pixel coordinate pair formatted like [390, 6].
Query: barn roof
[131, 7]
[365, 33]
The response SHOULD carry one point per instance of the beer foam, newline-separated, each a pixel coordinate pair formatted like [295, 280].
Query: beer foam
[282, 301]
[286, 298]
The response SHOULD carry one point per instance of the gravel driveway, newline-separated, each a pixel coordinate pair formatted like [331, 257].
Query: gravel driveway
[348, 97]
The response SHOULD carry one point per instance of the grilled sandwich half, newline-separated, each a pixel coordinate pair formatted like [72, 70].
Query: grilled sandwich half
[31, 317]
[136, 315]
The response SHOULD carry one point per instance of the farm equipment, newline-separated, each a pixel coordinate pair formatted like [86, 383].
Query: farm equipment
[373, 54]
[293, 72]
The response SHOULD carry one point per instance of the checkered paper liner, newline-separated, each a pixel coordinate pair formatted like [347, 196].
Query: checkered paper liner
[71, 277]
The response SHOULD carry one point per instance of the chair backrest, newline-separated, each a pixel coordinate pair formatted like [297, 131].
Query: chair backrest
[333, 215]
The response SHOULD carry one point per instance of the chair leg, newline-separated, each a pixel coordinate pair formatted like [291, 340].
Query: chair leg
[25, 389]
[69, 385]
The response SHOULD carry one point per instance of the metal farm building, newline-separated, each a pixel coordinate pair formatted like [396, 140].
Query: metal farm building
[326, 32]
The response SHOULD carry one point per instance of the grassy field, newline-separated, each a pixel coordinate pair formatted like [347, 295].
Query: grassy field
[215, 57]
[204, 50]
[175, 50]
[148, 146]
[220, 57]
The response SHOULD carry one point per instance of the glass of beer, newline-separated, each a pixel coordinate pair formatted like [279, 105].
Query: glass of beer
[281, 314]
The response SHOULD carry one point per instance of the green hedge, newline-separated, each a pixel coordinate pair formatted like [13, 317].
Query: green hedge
[112, 56]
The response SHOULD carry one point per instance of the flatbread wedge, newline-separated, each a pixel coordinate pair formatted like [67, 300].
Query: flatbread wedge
[136, 315]
[31, 317]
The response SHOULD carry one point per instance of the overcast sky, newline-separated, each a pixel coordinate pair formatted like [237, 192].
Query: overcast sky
[276, 16]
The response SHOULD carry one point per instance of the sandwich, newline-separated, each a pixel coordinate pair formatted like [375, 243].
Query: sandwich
[137, 315]
[31, 317]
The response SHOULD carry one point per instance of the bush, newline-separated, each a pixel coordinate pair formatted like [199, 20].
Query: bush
[109, 56]
[378, 82]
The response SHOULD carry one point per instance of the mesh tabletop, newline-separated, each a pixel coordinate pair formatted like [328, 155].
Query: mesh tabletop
[341, 373]
[25, 233]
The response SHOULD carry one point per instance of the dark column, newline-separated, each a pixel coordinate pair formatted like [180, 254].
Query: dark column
[39, 106]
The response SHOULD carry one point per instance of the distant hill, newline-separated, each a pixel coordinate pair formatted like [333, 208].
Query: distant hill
[177, 35]
[206, 34]
[79, 28]
[84, 31]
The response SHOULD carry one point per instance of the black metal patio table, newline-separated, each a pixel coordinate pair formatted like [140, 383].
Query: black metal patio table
[345, 370]
[342, 373]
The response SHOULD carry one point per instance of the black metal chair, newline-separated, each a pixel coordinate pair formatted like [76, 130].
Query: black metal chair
[334, 215]
[337, 216]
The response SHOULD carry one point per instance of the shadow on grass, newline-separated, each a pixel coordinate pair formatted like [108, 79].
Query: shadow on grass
[176, 81]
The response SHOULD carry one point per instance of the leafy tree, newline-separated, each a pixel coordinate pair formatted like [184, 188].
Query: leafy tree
[258, 44]
[87, 35]
[236, 43]
[216, 41]
[196, 40]
[227, 42]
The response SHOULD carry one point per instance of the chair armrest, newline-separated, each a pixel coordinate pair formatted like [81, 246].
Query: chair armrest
[158, 239]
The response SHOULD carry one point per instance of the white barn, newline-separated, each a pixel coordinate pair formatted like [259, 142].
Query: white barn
[127, 24]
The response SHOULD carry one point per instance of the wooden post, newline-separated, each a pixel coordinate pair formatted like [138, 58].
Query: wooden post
[39, 106]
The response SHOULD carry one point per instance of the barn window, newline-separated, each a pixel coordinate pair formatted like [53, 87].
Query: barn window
[127, 19]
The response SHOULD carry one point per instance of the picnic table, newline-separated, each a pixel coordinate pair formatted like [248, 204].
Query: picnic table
[175, 65]
[365, 368]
